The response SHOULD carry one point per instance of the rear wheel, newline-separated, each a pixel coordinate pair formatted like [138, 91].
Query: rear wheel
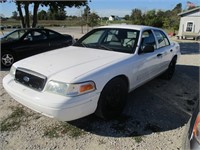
[7, 59]
[112, 99]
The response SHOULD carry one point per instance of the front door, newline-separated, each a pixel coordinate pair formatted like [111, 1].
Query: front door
[33, 43]
[147, 63]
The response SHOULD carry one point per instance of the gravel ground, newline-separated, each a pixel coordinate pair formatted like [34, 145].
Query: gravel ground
[154, 118]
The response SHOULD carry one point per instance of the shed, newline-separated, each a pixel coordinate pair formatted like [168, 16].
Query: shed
[112, 18]
[189, 24]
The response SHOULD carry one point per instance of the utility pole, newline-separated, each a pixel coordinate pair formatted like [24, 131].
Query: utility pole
[87, 21]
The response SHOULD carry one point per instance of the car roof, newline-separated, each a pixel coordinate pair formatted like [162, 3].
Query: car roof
[32, 29]
[125, 26]
[36, 29]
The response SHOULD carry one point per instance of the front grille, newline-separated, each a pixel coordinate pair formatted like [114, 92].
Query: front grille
[31, 79]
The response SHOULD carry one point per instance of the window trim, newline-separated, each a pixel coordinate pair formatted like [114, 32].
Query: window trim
[139, 47]
[157, 43]
[106, 30]
[187, 26]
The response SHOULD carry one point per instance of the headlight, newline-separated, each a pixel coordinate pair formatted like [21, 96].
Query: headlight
[70, 89]
[12, 71]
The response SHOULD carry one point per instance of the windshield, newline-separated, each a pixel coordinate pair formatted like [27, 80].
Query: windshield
[120, 40]
[14, 35]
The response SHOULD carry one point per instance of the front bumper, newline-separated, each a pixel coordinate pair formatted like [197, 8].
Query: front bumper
[52, 105]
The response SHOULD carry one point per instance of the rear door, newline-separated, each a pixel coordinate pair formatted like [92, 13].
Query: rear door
[164, 50]
[57, 40]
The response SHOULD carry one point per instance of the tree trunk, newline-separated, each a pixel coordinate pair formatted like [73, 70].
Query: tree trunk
[26, 5]
[35, 10]
[20, 14]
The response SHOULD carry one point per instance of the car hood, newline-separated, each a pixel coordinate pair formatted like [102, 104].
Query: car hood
[70, 63]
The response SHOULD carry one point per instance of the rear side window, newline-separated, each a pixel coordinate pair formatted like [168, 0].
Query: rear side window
[53, 35]
[161, 38]
[36, 36]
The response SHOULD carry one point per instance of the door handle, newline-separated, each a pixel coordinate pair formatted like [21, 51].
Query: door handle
[159, 55]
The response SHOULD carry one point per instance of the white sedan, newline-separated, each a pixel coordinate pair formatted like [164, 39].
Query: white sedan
[94, 75]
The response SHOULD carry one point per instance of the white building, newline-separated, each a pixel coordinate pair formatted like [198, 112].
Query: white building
[189, 23]
[112, 18]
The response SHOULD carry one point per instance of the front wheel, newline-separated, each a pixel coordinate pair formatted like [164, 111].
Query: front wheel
[112, 99]
[7, 59]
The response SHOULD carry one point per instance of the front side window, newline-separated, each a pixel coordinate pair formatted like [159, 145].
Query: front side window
[148, 39]
[119, 40]
[35, 36]
[189, 27]
[161, 38]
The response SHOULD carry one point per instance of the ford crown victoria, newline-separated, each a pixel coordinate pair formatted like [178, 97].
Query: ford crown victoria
[94, 75]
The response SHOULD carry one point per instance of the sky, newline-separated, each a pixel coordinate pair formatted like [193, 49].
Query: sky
[105, 8]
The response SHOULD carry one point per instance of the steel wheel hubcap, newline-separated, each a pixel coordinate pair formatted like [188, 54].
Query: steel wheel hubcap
[7, 59]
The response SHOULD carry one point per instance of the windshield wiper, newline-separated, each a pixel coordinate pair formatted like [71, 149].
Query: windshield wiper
[105, 47]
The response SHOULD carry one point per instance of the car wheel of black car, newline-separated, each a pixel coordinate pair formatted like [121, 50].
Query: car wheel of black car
[112, 99]
[168, 74]
[7, 59]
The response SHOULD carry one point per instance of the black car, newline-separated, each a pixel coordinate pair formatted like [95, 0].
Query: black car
[23, 43]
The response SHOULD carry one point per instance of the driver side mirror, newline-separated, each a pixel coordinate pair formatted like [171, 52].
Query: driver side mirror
[148, 49]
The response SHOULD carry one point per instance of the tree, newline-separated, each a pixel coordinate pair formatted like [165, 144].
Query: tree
[159, 19]
[14, 15]
[93, 20]
[175, 19]
[57, 14]
[150, 18]
[104, 18]
[177, 9]
[136, 16]
[126, 17]
[85, 16]
[86, 13]
[25, 20]
[172, 19]
[42, 15]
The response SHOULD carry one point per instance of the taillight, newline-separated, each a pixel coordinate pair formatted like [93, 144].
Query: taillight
[196, 129]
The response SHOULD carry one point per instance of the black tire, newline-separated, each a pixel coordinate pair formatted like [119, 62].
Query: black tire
[112, 99]
[168, 74]
[7, 59]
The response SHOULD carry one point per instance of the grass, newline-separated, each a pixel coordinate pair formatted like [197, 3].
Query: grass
[14, 120]
[66, 23]
[138, 139]
[52, 132]
[62, 129]
[45, 23]
[102, 142]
